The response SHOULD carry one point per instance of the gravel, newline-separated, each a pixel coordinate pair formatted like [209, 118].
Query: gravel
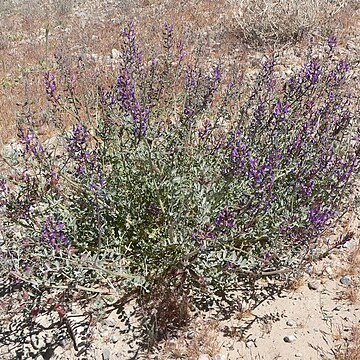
[289, 338]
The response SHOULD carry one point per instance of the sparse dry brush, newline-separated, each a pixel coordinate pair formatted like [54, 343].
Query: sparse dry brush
[264, 22]
[351, 350]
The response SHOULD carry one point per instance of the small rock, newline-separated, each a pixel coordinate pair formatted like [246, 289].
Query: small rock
[106, 354]
[250, 344]
[219, 357]
[115, 339]
[204, 357]
[115, 54]
[314, 285]
[337, 308]
[62, 342]
[329, 270]
[104, 334]
[190, 335]
[109, 322]
[298, 355]
[291, 323]
[290, 338]
[345, 280]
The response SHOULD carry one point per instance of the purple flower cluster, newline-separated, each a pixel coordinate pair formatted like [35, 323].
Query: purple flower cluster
[319, 215]
[200, 90]
[240, 154]
[332, 42]
[281, 109]
[168, 34]
[50, 86]
[30, 142]
[225, 219]
[131, 105]
[53, 234]
[131, 55]
[203, 236]
[78, 149]
[126, 91]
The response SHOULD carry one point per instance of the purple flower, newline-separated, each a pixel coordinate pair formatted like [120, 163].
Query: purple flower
[50, 86]
[217, 74]
[308, 188]
[202, 236]
[140, 115]
[312, 71]
[30, 142]
[131, 54]
[225, 219]
[343, 66]
[319, 215]
[53, 234]
[281, 109]
[332, 42]
[168, 35]
[126, 91]
[77, 141]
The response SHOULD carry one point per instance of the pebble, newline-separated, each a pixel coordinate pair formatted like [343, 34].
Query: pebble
[104, 334]
[115, 54]
[337, 308]
[219, 357]
[345, 280]
[329, 270]
[190, 335]
[333, 257]
[106, 354]
[298, 355]
[291, 323]
[62, 342]
[204, 357]
[109, 322]
[115, 339]
[314, 285]
[290, 338]
[249, 344]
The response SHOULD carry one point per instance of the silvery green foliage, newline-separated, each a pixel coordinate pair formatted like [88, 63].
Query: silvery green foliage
[184, 176]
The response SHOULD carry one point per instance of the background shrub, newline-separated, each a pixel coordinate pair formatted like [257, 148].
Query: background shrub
[264, 22]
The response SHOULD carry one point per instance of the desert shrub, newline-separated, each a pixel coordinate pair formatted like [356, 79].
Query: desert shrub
[264, 22]
[179, 175]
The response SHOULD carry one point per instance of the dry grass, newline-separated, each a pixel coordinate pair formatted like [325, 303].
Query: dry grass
[296, 283]
[351, 268]
[351, 351]
[351, 294]
[203, 341]
[264, 22]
